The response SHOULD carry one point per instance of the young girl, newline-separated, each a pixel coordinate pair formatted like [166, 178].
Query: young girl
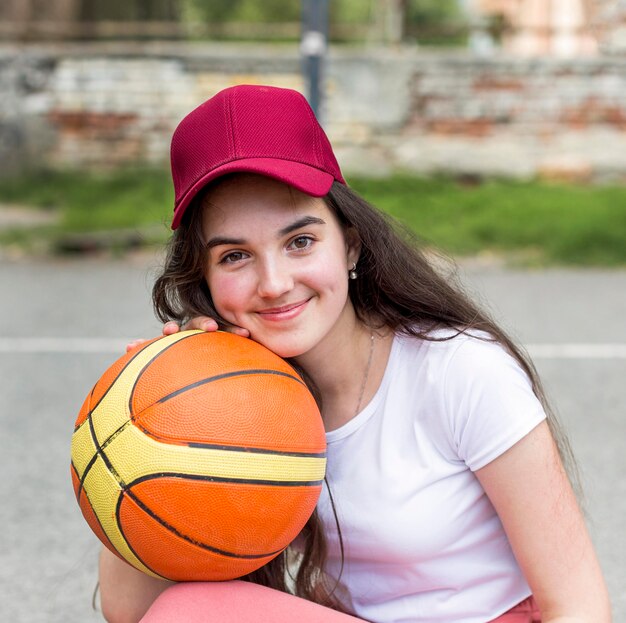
[446, 498]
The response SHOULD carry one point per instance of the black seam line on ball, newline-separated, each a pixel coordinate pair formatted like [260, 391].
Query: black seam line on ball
[241, 481]
[227, 375]
[93, 459]
[149, 363]
[89, 465]
[80, 481]
[111, 437]
[179, 534]
[99, 447]
[98, 452]
[114, 381]
[93, 510]
[89, 410]
[120, 527]
[212, 446]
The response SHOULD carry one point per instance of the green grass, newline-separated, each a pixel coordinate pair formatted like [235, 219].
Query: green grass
[124, 209]
[88, 201]
[544, 223]
[533, 222]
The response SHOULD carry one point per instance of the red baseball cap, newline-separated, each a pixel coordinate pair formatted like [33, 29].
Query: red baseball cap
[256, 129]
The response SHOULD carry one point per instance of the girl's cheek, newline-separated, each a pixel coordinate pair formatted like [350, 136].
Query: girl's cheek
[229, 295]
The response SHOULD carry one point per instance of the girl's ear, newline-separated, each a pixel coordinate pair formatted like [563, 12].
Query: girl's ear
[353, 245]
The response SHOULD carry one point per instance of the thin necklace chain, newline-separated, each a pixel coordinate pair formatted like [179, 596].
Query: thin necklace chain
[367, 373]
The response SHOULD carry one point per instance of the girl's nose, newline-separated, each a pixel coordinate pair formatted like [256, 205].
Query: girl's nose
[274, 279]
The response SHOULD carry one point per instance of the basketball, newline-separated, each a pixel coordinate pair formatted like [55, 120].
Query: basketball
[198, 456]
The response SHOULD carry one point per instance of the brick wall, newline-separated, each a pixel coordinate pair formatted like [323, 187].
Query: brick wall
[116, 104]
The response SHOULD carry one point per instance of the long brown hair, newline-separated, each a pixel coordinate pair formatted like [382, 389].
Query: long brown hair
[398, 287]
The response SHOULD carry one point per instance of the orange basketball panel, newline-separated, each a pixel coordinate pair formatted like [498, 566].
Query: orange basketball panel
[197, 357]
[105, 382]
[260, 411]
[165, 553]
[83, 414]
[241, 518]
[75, 481]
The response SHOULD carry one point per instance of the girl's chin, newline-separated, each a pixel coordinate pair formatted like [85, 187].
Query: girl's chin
[285, 353]
[285, 350]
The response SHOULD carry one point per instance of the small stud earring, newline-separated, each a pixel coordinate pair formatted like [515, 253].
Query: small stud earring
[352, 274]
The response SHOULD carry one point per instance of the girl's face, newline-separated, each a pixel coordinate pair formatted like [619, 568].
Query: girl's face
[277, 263]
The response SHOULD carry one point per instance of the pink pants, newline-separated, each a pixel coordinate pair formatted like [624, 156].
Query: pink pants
[525, 612]
[241, 602]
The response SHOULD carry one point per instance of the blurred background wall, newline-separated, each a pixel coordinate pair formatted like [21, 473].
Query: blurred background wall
[473, 87]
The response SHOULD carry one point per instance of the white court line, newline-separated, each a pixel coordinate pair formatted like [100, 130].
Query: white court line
[577, 351]
[117, 346]
[41, 345]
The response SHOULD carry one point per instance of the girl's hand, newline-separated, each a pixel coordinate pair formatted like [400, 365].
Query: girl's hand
[131, 345]
[201, 323]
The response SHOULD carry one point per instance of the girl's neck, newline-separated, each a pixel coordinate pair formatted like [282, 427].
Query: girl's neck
[331, 364]
[347, 367]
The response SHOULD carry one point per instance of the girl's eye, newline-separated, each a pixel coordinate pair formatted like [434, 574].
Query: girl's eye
[301, 242]
[233, 257]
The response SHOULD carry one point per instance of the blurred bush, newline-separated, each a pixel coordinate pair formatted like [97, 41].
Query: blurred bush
[394, 21]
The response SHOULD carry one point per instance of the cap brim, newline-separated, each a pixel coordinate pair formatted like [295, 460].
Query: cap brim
[305, 178]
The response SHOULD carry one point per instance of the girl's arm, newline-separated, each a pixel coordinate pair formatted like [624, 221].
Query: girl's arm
[532, 495]
[125, 593]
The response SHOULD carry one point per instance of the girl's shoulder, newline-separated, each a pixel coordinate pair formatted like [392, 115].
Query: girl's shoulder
[443, 345]
[452, 362]
[474, 396]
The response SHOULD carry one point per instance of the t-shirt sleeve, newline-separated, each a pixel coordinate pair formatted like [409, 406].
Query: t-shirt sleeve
[488, 400]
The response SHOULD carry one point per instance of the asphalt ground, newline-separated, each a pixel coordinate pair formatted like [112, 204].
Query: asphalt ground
[63, 322]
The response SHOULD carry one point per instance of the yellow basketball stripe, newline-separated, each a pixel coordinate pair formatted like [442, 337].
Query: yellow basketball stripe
[103, 492]
[116, 401]
[83, 449]
[136, 455]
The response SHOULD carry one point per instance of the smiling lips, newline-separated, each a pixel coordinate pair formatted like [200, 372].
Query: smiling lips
[286, 312]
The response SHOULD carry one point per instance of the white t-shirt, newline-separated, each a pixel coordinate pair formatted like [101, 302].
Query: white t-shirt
[422, 541]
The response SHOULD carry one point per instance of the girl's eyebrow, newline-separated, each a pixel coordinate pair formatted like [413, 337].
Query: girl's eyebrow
[302, 222]
[219, 240]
